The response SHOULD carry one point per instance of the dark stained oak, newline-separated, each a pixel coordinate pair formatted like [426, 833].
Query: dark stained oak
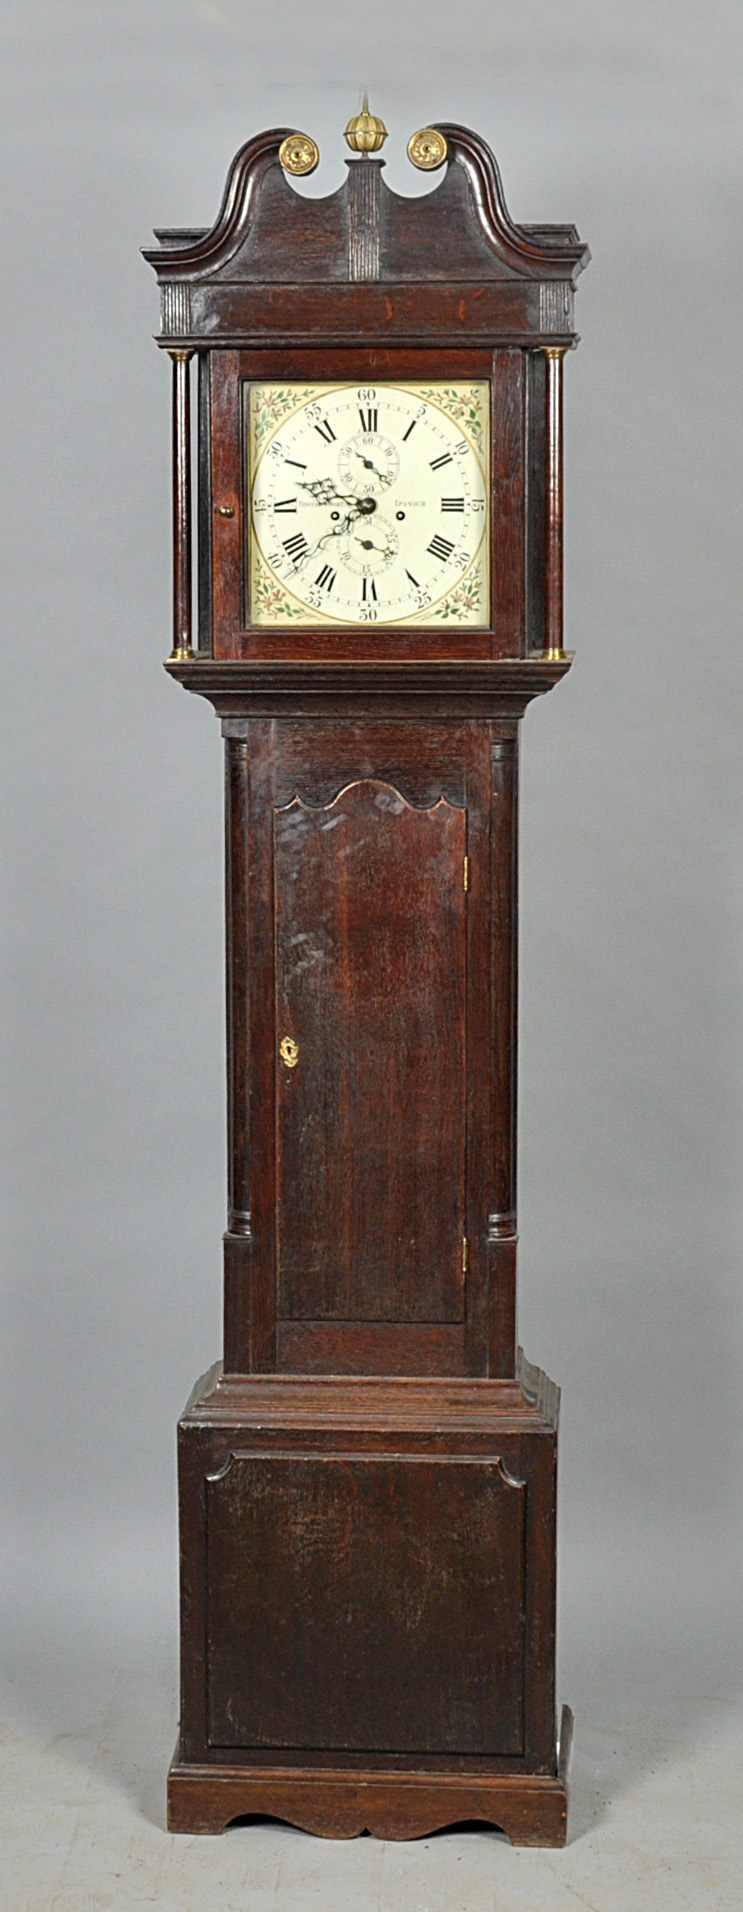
[367, 1483]
[447, 688]
[370, 929]
[303, 1695]
[267, 237]
[352, 934]
[340, 1805]
[370, 1347]
[424, 1658]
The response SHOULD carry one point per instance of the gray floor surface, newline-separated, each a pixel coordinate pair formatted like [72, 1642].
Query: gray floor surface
[651, 1660]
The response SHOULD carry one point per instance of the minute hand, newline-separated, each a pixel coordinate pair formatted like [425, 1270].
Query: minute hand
[324, 493]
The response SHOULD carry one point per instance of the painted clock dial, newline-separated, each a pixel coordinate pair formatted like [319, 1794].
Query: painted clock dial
[369, 504]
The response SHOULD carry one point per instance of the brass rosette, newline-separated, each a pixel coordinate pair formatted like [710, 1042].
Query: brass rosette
[299, 155]
[427, 149]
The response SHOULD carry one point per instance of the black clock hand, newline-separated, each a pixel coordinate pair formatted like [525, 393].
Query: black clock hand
[336, 531]
[324, 492]
[384, 477]
[387, 550]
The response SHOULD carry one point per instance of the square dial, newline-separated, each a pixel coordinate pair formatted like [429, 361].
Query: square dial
[369, 504]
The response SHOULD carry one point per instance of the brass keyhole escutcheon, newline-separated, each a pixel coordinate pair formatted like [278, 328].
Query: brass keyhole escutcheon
[289, 1052]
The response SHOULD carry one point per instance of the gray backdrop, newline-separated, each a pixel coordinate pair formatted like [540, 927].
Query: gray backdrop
[625, 118]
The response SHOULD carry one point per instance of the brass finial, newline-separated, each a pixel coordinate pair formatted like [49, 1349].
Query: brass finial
[365, 133]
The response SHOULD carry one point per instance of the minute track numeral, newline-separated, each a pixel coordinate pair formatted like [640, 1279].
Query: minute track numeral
[440, 547]
[369, 418]
[296, 546]
[447, 504]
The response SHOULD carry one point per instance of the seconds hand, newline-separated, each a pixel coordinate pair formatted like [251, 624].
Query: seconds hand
[386, 550]
[383, 477]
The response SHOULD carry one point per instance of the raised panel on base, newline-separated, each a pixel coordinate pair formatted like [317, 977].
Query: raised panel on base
[366, 1604]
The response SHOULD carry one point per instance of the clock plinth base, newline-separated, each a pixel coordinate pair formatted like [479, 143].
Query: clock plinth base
[530, 1809]
[367, 1606]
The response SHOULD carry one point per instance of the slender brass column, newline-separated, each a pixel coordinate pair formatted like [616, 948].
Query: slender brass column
[553, 606]
[182, 629]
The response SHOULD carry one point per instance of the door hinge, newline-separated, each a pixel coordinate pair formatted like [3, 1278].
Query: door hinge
[466, 873]
[465, 1254]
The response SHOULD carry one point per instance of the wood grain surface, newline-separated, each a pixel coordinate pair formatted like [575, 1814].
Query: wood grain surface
[370, 955]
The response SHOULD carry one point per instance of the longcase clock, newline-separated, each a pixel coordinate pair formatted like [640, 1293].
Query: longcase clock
[367, 1481]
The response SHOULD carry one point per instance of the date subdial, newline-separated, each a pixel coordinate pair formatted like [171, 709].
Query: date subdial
[368, 546]
[369, 463]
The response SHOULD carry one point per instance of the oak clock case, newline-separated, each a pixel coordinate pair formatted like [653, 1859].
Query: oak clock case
[367, 1481]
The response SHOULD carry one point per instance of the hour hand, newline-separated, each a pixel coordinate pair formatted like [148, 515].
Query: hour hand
[324, 492]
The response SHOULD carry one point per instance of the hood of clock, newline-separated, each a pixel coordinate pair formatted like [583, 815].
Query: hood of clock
[267, 238]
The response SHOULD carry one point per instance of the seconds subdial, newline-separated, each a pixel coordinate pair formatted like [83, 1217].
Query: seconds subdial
[369, 546]
[369, 463]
